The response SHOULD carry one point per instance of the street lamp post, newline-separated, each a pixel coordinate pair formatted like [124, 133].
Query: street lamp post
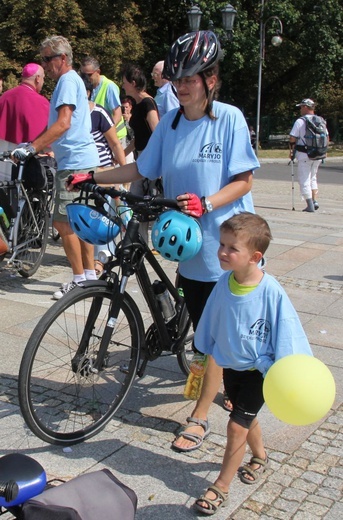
[276, 41]
[228, 19]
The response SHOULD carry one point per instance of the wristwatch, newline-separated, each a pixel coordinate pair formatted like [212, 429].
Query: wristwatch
[206, 205]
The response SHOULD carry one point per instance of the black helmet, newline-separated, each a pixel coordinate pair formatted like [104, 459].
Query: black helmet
[191, 54]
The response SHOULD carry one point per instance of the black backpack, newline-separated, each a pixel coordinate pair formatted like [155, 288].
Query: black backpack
[316, 138]
[34, 174]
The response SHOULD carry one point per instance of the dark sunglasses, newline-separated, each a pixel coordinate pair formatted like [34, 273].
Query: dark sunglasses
[47, 59]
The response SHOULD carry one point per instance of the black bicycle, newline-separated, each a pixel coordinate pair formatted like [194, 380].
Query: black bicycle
[83, 355]
[24, 223]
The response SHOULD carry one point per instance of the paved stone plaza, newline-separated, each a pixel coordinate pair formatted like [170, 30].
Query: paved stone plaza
[305, 479]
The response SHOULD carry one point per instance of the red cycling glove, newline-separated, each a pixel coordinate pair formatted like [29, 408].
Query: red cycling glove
[194, 205]
[80, 178]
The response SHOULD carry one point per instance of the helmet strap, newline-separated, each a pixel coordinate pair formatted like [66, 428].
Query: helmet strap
[207, 92]
[177, 118]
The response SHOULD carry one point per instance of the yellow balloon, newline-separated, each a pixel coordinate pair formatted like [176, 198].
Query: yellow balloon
[299, 389]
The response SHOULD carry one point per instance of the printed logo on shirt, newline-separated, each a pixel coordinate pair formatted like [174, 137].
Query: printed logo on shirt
[210, 153]
[258, 331]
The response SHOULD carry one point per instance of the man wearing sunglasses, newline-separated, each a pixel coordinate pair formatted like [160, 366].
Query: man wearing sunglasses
[69, 134]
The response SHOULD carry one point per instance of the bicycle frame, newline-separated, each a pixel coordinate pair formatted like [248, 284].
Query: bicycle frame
[18, 197]
[131, 254]
[103, 339]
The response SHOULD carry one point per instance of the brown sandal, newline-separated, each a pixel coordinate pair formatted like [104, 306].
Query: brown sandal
[256, 474]
[213, 505]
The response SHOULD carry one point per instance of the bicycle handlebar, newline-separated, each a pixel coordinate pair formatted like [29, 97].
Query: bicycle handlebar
[146, 201]
[9, 490]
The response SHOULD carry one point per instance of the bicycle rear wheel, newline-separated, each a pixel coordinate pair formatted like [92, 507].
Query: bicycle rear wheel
[61, 399]
[32, 234]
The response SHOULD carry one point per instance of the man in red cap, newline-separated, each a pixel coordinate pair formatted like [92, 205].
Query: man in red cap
[24, 111]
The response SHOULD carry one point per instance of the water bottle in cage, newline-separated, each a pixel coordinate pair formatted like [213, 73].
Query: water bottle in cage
[164, 300]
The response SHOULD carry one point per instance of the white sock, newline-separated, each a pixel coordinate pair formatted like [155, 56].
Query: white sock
[77, 278]
[90, 274]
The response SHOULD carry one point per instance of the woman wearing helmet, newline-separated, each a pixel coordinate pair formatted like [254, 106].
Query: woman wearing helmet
[203, 153]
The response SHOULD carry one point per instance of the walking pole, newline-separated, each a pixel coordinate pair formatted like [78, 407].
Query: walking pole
[292, 170]
[293, 208]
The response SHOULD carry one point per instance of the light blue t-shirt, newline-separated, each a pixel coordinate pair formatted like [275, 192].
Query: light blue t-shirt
[202, 157]
[75, 149]
[165, 99]
[252, 330]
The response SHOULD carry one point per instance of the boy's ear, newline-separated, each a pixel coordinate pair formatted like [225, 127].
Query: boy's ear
[256, 257]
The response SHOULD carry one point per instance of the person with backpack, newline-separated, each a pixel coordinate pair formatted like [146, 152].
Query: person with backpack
[308, 143]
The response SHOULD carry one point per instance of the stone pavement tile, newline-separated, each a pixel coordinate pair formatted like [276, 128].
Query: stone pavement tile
[336, 512]
[281, 266]
[325, 265]
[331, 356]
[335, 308]
[315, 301]
[12, 315]
[12, 347]
[298, 255]
[326, 330]
[319, 246]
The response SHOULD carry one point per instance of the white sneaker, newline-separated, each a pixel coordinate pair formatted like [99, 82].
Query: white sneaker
[64, 289]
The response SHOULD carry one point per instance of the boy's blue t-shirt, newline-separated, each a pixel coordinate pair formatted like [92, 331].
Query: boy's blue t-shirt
[202, 157]
[75, 149]
[250, 331]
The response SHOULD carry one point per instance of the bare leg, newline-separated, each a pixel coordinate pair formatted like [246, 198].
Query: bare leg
[87, 254]
[212, 381]
[254, 439]
[233, 456]
[237, 437]
[72, 246]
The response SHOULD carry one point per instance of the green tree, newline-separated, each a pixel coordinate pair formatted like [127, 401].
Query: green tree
[309, 62]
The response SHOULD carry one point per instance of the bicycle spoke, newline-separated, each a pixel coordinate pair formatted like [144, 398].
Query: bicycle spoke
[67, 400]
[32, 235]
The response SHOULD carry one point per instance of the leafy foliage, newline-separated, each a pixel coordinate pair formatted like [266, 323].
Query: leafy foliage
[309, 62]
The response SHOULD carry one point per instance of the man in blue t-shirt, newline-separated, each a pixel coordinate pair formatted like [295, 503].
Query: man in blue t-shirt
[166, 98]
[69, 134]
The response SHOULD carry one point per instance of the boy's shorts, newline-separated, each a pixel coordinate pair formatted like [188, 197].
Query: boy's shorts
[244, 389]
[64, 197]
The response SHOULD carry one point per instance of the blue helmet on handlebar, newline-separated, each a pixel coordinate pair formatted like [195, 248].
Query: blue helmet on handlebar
[90, 225]
[176, 236]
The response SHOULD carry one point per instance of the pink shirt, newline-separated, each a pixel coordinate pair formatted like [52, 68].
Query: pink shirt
[23, 114]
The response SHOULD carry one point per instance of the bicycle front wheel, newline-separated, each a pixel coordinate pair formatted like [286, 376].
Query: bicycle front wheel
[32, 235]
[185, 351]
[61, 399]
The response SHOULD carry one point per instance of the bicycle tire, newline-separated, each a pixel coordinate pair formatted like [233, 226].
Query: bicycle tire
[65, 406]
[186, 352]
[31, 255]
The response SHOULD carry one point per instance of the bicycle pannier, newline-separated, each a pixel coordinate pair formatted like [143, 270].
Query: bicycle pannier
[94, 495]
[34, 175]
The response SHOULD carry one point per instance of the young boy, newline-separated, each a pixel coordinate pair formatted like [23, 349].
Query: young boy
[248, 323]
